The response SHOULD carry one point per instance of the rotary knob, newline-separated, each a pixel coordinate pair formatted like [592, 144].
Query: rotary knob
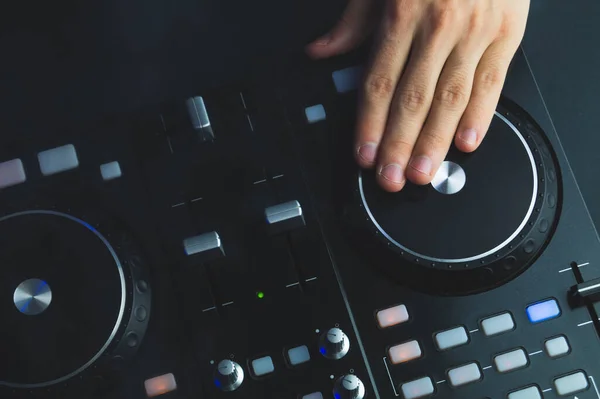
[229, 375]
[349, 387]
[334, 344]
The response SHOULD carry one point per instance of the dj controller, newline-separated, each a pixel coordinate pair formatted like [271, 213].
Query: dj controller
[226, 245]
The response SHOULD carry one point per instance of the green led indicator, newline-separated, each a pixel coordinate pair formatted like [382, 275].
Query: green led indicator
[260, 294]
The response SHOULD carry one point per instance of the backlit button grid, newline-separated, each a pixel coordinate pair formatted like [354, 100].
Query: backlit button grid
[498, 324]
[532, 392]
[417, 388]
[405, 352]
[160, 385]
[392, 316]
[510, 361]
[542, 311]
[571, 383]
[451, 338]
[557, 346]
[465, 374]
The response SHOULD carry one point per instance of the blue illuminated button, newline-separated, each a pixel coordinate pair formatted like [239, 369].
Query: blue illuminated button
[263, 366]
[298, 355]
[543, 311]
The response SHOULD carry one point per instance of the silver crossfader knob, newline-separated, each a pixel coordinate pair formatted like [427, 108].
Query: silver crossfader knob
[334, 344]
[284, 217]
[229, 375]
[349, 387]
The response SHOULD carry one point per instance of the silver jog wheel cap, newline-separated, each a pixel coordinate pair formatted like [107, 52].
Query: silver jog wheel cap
[32, 297]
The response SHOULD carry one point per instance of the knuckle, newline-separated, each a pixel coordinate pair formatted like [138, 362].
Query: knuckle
[477, 23]
[492, 77]
[443, 15]
[412, 99]
[453, 95]
[399, 11]
[379, 86]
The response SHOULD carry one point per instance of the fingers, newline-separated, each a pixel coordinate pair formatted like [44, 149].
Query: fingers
[449, 102]
[390, 55]
[349, 32]
[410, 107]
[487, 87]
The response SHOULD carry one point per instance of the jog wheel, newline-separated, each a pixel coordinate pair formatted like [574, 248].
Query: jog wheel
[483, 220]
[71, 303]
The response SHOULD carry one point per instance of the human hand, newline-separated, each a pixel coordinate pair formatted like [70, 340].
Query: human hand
[435, 76]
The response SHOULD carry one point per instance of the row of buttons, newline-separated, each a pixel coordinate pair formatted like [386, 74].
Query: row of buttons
[260, 367]
[537, 312]
[294, 356]
[407, 351]
[565, 385]
[53, 161]
[490, 326]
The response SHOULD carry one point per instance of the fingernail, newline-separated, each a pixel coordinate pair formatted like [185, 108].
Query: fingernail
[469, 136]
[421, 163]
[368, 152]
[392, 172]
[323, 40]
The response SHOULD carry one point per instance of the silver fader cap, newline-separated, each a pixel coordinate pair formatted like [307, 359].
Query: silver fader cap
[199, 118]
[207, 245]
[284, 217]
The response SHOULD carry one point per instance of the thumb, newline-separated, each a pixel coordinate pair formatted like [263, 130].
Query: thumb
[348, 33]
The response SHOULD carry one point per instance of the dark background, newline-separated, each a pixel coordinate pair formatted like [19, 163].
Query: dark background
[67, 62]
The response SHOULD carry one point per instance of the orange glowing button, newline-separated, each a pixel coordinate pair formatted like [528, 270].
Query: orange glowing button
[404, 352]
[160, 385]
[392, 316]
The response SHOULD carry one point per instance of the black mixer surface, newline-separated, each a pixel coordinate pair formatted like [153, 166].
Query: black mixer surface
[225, 245]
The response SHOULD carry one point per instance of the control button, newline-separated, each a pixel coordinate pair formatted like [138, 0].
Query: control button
[59, 159]
[349, 387]
[229, 375]
[571, 383]
[348, 79]
[208, 245]
[160, 385]
[314, 395]
[417, 388]
[334, 344]
[526, 393]
[285, 217]
[199, 118]
[298, 355]
[12, 173]
[263, 366]
[315, 114]
[451, 338]
[464, 374]
[498, 324]
[404, 352]
[510, 361]
[141, 313]
[392, 316]
[543, 311]
[556, 347]
[110, 171]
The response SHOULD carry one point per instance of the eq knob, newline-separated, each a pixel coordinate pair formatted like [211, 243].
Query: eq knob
[229, 375]
[334, 344]
[349, 387]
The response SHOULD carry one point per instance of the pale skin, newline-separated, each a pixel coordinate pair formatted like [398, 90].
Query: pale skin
[435, 77]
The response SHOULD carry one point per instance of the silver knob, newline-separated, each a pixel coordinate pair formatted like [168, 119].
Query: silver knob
[334, 344]
[229, 375]
[349, 387]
